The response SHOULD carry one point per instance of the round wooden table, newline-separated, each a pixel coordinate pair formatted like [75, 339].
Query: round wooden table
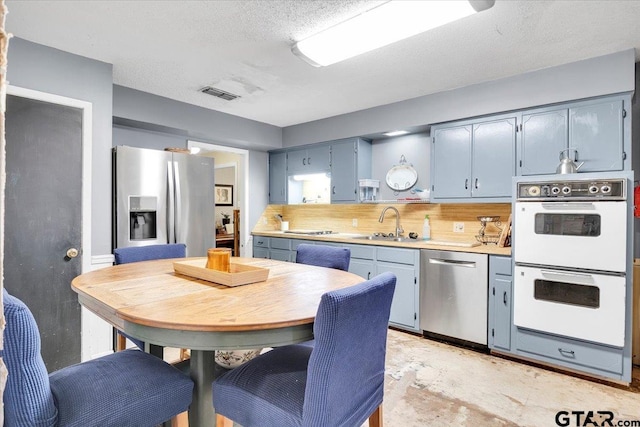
[151, 302]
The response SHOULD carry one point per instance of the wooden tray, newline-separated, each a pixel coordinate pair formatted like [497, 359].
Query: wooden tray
[240, 274]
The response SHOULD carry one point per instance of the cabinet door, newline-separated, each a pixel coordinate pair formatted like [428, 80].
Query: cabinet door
[501, 305]
[259, 252]
[544, 135]
[403, 306]
[362, 267]
[343, 172]
[296, 161]
[493, 163]
[278, 178]
[318, 159]
[451, 162]
[596, 132]
[280, 255]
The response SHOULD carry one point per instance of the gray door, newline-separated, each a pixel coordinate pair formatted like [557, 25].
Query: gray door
[343, 172]
[44, 219]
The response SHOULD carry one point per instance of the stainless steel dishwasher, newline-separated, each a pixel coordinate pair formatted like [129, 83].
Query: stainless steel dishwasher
[453, 295]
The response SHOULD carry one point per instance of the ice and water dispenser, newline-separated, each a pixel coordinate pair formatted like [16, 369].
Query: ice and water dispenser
[142, 217]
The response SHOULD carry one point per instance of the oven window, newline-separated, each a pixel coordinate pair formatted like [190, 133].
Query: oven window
[566, 293]
[560, 224]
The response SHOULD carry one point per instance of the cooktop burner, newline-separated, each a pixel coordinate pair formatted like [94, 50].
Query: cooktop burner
[309, 231]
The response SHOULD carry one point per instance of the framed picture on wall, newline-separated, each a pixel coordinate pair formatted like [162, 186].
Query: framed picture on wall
[224, 195]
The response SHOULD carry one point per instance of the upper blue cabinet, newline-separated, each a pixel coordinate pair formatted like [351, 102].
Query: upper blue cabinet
[314, 159]
[350, 161]
[596, 130]
[473, 159]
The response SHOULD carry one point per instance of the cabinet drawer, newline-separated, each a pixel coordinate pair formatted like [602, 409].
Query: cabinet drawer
[570, 351]
[281, 244]
[361, 251]
[400, 256]
[261, 242]
[500, 265]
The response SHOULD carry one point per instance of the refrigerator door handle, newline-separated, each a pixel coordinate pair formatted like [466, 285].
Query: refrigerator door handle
[171, 203]
[178, 204]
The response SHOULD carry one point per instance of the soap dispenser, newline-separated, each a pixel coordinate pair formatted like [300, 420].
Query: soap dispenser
[426, 229]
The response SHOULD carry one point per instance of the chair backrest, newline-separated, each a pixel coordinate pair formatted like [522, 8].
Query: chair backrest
[345, 377]
[323, 256]
[28, 400]
[146, 253]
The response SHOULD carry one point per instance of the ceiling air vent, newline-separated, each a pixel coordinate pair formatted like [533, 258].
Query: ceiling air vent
[210, 90]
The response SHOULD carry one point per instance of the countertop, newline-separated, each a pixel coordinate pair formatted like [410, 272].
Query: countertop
[490, 249]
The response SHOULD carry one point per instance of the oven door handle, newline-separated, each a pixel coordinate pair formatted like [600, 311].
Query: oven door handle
[555, 206]
[575, 277]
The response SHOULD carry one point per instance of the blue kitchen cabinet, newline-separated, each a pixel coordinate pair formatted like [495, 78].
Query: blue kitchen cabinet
[594, 128]
[362, 260]
[278, 178]
[451, 160]
[405, 264]
[500, 290]
[350, 161]
[315, 158]
[473, 160]
[261, 247]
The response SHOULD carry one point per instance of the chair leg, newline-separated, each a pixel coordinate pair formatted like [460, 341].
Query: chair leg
[375, 420]
[121, 342]
[222, 421]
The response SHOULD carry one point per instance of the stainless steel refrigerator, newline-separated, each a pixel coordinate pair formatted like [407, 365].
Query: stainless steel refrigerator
[163, 197]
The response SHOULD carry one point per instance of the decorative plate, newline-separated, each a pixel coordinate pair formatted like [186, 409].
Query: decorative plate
[402, 177]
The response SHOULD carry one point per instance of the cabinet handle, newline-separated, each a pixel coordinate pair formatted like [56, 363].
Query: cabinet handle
[333, 190]
[308, 160]
[368, 275]
[504, 298]
[466, 184]
[567, 353]
[304, 161]
[476, 184]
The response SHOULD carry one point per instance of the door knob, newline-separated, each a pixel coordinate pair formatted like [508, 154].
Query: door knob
[72, 253]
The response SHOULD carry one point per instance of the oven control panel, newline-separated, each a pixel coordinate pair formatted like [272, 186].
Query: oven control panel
[613, 189]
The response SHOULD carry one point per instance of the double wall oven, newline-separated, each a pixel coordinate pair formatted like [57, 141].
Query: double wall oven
[571, 256]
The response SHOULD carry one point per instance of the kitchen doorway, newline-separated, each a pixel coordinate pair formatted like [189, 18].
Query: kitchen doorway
[227, 158]
[47, 223]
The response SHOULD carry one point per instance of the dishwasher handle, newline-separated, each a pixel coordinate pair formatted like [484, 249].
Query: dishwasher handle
[452, 262]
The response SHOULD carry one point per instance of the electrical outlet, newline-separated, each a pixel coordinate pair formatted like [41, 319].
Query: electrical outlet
[458, 227]
[354, 222]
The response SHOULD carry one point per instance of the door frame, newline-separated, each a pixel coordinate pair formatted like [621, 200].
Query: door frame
[86, 108]
[243, 202]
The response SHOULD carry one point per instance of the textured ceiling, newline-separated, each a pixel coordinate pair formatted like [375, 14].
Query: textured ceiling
[173, 48]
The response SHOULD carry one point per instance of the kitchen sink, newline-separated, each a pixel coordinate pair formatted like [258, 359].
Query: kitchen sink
[384, 238]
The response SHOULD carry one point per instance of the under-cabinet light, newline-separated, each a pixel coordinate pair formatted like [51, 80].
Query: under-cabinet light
[396, 133]
[310, 177]
[383, 25]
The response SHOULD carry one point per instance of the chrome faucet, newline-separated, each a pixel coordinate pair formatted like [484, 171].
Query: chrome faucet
[399, 229]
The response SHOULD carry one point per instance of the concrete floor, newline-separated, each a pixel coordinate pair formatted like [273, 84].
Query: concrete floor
[429, 383]
[433, 384]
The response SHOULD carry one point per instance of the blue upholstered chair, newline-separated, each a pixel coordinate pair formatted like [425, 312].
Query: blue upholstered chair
[339, 382]
[146, 253]
[323, 256]
[128, 388]
[150, 252]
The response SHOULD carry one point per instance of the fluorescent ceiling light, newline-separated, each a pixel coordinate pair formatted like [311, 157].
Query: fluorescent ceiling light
[396, 133]
[383, 25]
